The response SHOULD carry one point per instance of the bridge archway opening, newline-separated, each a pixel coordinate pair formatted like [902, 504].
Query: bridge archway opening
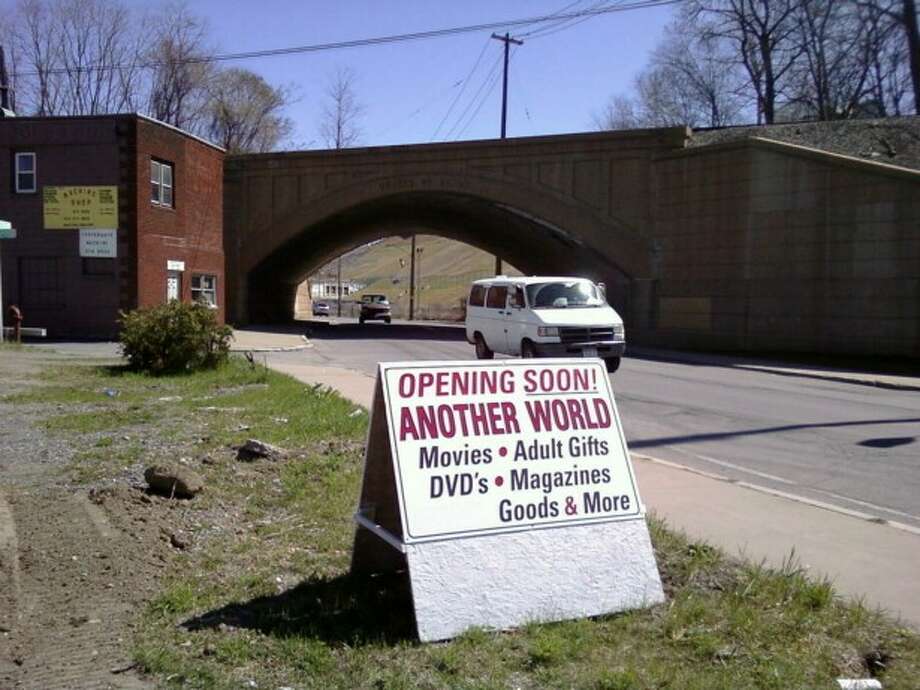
[534, 245]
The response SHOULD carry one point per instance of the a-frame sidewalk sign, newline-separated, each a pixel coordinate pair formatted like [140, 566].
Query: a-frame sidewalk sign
[505, 491]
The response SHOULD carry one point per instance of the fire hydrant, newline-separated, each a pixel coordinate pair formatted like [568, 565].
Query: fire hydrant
[16, 322]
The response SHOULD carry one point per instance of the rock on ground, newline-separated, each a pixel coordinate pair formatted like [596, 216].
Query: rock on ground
[172, 480]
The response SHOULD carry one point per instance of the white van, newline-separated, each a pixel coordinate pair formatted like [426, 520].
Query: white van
[543, 316]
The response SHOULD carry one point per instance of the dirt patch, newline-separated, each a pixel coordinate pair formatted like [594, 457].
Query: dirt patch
[74, 563]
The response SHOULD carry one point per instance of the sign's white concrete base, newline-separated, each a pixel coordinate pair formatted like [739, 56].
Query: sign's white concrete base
[508, 580]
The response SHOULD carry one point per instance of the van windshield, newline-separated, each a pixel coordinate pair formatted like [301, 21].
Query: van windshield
[564, 295]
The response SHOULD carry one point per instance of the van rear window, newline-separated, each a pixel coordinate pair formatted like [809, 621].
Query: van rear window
[498, 294]
[477, 296]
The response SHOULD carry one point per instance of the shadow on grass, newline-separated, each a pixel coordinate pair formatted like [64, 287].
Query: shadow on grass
[346, 609]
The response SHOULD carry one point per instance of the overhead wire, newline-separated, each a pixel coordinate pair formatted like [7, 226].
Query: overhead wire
[490, 78]
[568, 23]
[373, 41]
[463, 89]
[553, 23]
[485, 97]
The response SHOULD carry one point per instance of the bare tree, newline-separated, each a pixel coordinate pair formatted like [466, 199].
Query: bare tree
[339, 125]
[245, 112]
[831, 77]
[180, 71]
[690, 82]
[889, 77]
[621, 112]
[904, 14]
[76, 57]
[762, 33]
[35, 42]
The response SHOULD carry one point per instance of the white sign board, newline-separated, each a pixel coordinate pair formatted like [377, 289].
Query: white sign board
[7, 231]
[506, 491]
[488, 448]
[98, 244]
[175, 265]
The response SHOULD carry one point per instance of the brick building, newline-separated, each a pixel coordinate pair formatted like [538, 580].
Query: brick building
[166, 213]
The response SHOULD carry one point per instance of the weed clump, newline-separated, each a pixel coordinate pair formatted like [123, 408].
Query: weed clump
[173, 338]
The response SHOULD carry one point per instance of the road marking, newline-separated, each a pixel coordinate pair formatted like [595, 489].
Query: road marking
[733, 466]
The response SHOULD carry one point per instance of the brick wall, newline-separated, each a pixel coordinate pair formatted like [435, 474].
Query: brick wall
[191, 231]
[42, 269]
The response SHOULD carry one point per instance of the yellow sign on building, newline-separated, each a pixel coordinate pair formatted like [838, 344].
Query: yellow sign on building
[72, 208]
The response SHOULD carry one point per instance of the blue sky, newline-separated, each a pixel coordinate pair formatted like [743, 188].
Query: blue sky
[556, 83]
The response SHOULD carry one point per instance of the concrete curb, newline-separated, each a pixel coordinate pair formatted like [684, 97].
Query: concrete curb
[874, 380]
[293, 348]
[789, 496]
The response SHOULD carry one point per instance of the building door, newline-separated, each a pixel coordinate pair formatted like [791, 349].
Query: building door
[173, 285]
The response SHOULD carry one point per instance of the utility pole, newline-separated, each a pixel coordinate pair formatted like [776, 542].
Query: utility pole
[338, 280]
[507, 40]
[412, 278]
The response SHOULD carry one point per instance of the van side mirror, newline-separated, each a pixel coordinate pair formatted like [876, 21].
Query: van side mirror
[603, 288]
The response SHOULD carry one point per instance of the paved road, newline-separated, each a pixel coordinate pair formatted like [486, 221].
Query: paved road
[849, 445]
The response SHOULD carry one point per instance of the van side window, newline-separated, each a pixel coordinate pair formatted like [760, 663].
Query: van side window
[477, 296]
[497, 296]
[516, 299]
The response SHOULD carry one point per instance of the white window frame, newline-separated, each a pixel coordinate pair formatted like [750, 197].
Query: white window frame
[22, 155]
[156, 180]
[199, 291]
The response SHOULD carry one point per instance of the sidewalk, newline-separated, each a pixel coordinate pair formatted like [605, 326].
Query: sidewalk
[864, 559]
[269, 339]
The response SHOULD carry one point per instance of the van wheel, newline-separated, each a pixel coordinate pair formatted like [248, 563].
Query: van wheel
[613, 363]
[387, 320]
[528, 350]
[361, 320]
[482, 350]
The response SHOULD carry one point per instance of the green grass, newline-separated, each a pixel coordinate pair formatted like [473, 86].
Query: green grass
[272, 601]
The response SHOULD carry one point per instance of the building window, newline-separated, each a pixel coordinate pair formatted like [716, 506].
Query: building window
[161, 183]
[26, 177]
[204, 289]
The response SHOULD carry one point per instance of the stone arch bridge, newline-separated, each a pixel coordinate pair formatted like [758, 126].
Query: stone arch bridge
[753, 245]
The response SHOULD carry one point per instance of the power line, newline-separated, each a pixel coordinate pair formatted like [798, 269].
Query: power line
[554, 23]
[490, 78]
[485, 97]
[375, 41]
[466, 80]
[568, 23]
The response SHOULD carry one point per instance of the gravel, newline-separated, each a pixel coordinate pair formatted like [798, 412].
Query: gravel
[893, 140]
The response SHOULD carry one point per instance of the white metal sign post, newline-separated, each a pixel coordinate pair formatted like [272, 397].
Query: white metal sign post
[7, 232]
[505, 488]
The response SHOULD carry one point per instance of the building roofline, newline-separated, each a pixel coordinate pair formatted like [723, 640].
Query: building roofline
[114, 116]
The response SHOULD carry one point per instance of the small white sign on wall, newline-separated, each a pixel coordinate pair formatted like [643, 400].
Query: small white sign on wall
[506, 490]
[172, 265]
[102, 244]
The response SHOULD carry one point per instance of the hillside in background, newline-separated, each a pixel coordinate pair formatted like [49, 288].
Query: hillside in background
[444, 270]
